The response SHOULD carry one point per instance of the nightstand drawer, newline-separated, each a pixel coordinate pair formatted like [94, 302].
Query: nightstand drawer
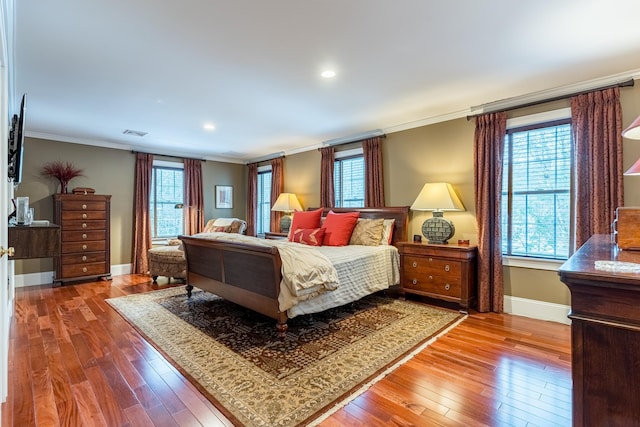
[433, 285]
[433, 268]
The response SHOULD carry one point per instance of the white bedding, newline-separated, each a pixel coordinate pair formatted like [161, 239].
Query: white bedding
[318, 278]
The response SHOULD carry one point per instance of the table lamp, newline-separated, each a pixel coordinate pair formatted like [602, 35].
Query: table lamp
[287, 203]
[437, 197]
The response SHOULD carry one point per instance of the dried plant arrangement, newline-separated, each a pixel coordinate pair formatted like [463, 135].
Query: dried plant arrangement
[62, 171]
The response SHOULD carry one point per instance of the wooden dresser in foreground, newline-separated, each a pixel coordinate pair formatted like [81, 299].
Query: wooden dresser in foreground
[445, 272]
[84, 237]
[605, 335]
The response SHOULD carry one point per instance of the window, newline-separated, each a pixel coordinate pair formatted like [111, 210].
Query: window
[536, 192]
[167, 189]
[263, 208]
[348, 179]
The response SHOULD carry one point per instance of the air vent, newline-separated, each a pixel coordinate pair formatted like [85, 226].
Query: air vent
[135, 133]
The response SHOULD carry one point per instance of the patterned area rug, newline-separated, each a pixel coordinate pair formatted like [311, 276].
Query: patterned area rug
[234, 355]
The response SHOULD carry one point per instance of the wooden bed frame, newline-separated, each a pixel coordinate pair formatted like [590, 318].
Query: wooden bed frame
[250, 275]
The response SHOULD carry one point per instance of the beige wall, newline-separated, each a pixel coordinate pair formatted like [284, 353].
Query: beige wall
[444, 152]
[110, 171]
[438, 152]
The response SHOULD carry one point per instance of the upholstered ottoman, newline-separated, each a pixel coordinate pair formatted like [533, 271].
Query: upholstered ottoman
[167, 261]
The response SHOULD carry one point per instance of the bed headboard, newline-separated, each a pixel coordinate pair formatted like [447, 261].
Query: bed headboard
[399, 213]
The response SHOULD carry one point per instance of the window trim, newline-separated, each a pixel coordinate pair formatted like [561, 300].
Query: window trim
[532, 121]
[166, 164]
[262, 170]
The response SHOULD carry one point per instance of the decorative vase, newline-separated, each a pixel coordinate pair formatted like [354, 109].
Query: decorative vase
[63, 186]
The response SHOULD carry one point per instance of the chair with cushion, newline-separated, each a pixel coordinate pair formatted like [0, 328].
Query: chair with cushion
[225, 225]
[168, 261]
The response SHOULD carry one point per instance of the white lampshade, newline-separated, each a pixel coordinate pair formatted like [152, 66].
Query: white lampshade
[287, 202]
[633, 130]
[438, 196]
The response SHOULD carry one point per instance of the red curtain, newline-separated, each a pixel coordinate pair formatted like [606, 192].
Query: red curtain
[374, 178]
[252, 199]
[597, 127]
[327, 195]
[277, 187]
[141, 222]
[193, 196]
[488, 153]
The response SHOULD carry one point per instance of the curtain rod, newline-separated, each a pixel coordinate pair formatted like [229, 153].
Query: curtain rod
[265, 158]
[378, 133]
[626, 83]
[169, 155]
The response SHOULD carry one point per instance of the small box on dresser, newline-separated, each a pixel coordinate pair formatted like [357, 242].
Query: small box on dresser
[446, 272]
[84, 237]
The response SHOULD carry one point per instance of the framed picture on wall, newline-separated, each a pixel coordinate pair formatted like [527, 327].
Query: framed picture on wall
[224, 197]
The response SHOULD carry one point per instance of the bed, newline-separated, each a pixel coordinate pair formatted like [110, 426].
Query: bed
[248, 271]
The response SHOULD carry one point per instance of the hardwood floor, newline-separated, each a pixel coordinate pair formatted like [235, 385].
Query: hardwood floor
[75, 362]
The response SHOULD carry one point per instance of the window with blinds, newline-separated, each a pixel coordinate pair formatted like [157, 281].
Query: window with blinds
[348, 181]
[263, 208]
[536, 192]
[167, 191]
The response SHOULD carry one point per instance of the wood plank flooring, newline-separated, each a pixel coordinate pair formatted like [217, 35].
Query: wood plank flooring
[75, 362]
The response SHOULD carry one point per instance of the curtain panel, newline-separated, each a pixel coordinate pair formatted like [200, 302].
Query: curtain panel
[142, 222]
[252, 199]
[327, 194]
[193, 196]
[373, 174]
[277, 187]
[488, 155]
[597, 137]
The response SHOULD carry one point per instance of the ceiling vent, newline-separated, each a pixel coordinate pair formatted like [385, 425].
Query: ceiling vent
[135, 133]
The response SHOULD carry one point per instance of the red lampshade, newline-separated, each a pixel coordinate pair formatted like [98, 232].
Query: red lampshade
[633, 131]
[635, 169]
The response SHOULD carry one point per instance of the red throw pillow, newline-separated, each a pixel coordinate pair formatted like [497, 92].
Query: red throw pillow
[338, 228]
[305, 219]
[308, 236]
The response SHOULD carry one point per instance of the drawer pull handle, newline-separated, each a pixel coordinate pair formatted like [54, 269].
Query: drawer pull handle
[430, 277]
[447, 287]
[84, 206]
[84, 216]
[415, 264]
[84, 236]
[84, 257]
[414, 281]
[84, 269]
[84, 247]
[447, 268]
[430, 259]
[85, 226]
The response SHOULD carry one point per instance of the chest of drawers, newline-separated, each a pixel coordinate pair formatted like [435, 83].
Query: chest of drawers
[84, 237]
[445, 272]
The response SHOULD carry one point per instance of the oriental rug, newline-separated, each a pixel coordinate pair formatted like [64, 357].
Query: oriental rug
[233, 355]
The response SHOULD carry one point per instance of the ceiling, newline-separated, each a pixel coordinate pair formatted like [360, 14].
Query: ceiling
[93, 69]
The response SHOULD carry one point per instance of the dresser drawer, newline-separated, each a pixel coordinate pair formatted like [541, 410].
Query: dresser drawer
[83, 258]
[84, 205]
[89, 215]
[79, 270]
[79, 236]
[433, 285]
[83, 247]
[72, 224]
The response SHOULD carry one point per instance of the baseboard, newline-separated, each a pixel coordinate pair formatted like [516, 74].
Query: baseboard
[537, 309]
[46, 277]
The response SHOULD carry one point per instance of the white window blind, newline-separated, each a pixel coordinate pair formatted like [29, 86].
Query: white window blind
[348, 181]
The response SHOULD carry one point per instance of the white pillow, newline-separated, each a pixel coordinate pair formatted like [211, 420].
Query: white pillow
[387, 231]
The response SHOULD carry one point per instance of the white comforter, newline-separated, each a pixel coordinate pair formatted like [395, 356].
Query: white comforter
[309, 273]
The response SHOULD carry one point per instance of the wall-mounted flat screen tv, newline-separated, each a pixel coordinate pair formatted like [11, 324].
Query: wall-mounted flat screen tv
[16, 143]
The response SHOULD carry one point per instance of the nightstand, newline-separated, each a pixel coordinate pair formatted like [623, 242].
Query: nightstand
[445, 272]
[275, 236]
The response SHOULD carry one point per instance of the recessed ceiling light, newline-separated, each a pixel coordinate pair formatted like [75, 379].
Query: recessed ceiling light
[327, 74]
[209, 126]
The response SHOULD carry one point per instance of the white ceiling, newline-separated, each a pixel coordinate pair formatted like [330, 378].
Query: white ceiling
[93, 68]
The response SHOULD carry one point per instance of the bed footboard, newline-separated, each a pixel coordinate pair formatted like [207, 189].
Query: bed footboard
[248, 275]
